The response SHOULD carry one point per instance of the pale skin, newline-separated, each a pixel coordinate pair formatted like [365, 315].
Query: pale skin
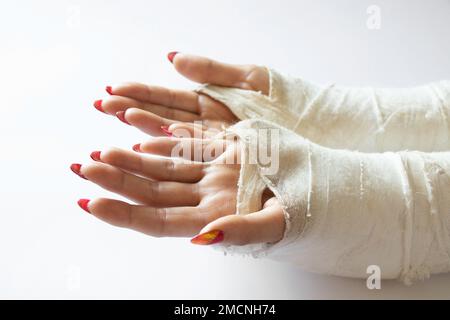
[177, 198]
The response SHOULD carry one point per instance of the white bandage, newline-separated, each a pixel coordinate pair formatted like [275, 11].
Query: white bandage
[363, 119]
[346, 210]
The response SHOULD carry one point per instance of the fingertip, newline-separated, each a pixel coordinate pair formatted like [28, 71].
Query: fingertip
[98, 105]
[111, 211]
[258, 227]
[135, 116]
[208, 238]
[76, 168]
[84, 204]
[121, 116]
[171, 55]
[151, 145]
[93, 171]
[157, 145]
[137, 147]
[112, 156]
[233, 226]
[95, 155]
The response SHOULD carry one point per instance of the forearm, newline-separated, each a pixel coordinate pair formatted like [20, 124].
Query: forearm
[364, 119]
[347, 210]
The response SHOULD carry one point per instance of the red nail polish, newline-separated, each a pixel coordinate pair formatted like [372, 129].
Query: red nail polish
[137, 147]
[166, 131]
[121, 116]
[96, 155]
[76, 167]
[207, 238]
[98, 105]
[171, 55]
[109, 89]
[83, 203]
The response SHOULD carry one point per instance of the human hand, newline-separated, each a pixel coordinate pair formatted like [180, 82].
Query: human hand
[149, 108]
[178, 197]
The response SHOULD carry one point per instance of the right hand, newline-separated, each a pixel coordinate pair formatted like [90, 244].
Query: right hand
[150, 107]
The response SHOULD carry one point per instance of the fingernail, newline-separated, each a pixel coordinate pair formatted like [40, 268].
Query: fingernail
[121, 116]
[171, 56]
[207, 238]
[96, 155]
[137, 147]
[109, 89]
[83, 203]
[166, 131]
[98, 105]
[76, 167]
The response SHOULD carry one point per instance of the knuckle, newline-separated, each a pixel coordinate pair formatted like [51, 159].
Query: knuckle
[149, 92]
[161, 217]
[172, 97]
[130, 222]
[170, 168]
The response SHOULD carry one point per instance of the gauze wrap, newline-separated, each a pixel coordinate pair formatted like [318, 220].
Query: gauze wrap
[364, 119]
[345, 209]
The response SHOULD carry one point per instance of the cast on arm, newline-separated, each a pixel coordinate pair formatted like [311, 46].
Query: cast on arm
[346, 210]
[364, 119]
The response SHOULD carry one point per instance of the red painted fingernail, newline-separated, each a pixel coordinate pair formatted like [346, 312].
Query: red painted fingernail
[76, 167]
[121, 116]
[96, 155]
[171, 55]
[98, 105]
[137, 147]
[83, 203]
[166, 131]
[109, 89]
[207, 238]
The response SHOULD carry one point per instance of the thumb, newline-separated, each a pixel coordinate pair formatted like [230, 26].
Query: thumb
[266, 225]
[205, 70]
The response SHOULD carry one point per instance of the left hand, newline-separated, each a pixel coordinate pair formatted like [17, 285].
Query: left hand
[179, 197]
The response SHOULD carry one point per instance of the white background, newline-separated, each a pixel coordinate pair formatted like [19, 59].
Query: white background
[56, 58]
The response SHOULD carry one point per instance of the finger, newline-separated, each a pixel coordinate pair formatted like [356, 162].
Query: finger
[141, 190]
[152, 167]
[202, 150]
[158, 222]
[265, 226]
[146, 121]
[204, 70]
[192, 130]
[185, 148]
[180, 99]
[114, 104]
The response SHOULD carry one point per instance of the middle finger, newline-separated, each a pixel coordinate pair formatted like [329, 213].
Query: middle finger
[141, 190]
